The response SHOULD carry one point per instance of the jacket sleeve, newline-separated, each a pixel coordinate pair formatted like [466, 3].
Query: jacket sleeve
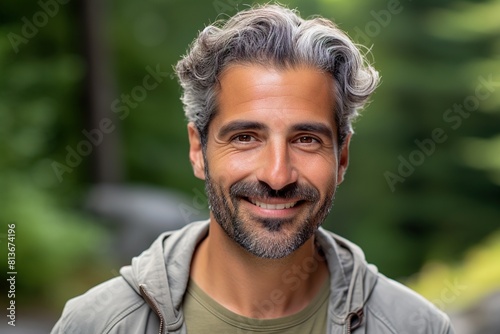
[102, 309]
[393, 308]
[449, 329]
[73, 318]
[57, 328]
[71, 323]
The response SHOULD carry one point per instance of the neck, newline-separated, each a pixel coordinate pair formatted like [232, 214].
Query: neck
[256, 287]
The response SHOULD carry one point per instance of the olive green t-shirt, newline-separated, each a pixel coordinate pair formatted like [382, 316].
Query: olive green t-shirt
[204, 315]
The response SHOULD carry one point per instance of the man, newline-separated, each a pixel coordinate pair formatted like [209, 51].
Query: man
[270, 99]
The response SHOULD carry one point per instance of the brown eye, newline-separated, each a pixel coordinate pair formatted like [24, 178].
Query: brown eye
[243, 138]
[307, 140]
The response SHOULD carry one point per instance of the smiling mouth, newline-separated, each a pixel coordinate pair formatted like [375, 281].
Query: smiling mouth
[274, 206]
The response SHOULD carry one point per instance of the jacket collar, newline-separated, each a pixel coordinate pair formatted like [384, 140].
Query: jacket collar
[351, 278]
[162, 272]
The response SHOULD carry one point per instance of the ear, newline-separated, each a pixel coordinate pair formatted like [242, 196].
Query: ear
[196, 151]
[343, 159]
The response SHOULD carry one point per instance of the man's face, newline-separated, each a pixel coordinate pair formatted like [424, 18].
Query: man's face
[271, 164]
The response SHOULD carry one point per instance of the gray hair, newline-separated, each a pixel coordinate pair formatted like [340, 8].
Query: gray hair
[271, 35]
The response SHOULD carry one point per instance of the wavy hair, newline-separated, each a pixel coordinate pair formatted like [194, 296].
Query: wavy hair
[274, 36]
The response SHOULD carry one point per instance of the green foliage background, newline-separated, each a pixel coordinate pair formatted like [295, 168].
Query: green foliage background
[431, 55]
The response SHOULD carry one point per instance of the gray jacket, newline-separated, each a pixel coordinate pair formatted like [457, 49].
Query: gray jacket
[147, 298]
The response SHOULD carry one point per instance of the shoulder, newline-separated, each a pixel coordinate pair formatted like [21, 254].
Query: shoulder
[102, 309]
[400, 310]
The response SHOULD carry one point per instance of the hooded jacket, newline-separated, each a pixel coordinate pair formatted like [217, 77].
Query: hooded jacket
[147, 297]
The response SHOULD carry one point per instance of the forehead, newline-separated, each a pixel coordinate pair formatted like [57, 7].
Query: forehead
[256, 91]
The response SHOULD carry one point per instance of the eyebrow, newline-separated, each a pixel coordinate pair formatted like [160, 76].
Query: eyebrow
[241, 126]
[314, 127]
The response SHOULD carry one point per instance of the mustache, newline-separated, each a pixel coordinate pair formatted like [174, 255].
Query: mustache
[263, 190]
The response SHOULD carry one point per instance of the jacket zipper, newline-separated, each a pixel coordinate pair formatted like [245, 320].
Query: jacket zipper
[153, 305]
[356, 317]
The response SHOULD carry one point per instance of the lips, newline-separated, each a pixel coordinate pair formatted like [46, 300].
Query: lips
[272, 206]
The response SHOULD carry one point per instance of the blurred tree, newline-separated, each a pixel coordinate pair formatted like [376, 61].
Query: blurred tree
[40, 123]
[103, 131]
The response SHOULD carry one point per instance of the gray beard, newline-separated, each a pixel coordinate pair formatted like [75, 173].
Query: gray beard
[232, 221]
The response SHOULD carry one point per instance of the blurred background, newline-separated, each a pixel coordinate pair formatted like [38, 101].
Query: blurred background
[94, 152]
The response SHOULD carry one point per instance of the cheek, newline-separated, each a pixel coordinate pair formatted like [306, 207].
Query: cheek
[230, 167]
[244, 163]
[320, 172]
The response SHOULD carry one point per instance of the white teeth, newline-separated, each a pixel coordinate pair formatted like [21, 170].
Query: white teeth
[273, 206]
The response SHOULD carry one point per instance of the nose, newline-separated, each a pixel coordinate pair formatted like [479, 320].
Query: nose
[277, 168]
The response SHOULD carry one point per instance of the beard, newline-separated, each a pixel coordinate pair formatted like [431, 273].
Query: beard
[270, 238]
